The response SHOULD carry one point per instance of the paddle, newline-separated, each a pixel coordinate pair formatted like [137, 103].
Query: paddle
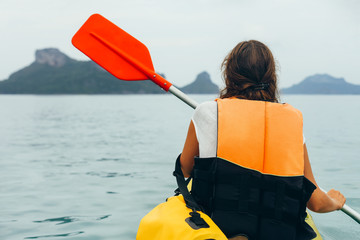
[120, 54]
[128, 59]
[351, 213]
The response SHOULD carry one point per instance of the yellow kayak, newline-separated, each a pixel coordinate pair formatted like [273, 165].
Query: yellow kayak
[309, 220]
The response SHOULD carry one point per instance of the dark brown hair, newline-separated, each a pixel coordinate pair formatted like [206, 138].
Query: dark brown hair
[249, 72]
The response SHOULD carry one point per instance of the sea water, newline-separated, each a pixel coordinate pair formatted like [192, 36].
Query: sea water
[91, 166]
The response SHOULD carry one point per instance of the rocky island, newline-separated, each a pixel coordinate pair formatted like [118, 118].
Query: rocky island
[53, 72]
[202, 84]
[322, 84]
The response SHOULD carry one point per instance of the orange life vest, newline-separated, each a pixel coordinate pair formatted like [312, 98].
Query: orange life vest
[256, 185]
[260, 135]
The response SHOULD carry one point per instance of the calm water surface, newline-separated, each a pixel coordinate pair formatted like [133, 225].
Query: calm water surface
[89, 167]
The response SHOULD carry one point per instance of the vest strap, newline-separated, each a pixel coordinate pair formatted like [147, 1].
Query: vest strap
[180, 179]
[190, 202]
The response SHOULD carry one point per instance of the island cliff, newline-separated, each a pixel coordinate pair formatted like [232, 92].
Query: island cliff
[53, 72]
[201, 85]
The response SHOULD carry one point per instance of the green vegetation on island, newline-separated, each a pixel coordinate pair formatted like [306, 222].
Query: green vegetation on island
[53, 72]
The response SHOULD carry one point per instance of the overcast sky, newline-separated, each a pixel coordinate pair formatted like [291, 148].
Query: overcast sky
[190, 36]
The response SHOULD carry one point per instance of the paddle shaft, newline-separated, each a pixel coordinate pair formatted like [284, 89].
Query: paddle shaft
[351, 213]
[183, 97]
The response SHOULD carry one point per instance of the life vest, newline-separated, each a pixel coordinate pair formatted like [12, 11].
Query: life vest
[256, 185]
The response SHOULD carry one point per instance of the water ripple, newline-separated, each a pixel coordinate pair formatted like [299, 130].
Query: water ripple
[112, 159]
[56, 235]
[60, 220]
[110, 192]
[70, 219]
[109, 174]
[103, 217]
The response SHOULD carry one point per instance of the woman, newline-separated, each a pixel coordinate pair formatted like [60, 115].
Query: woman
[253, 175]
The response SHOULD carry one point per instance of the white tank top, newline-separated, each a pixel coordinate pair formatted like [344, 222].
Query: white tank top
[205, 122]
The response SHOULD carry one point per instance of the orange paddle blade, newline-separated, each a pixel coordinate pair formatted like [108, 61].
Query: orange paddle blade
[116, 51]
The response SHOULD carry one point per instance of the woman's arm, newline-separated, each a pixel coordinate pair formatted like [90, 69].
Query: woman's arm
[191, 149]
[320, 201]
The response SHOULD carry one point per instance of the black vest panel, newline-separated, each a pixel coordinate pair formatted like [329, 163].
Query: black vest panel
[245, 201]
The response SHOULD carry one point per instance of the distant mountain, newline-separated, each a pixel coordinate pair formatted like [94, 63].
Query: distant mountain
[322, 84]
[201, 85]
[53, 72]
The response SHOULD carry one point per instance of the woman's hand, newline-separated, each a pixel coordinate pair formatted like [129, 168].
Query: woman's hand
[338, 199]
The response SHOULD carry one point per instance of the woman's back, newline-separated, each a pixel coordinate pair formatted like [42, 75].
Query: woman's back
[246, 186]
[254, 180]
